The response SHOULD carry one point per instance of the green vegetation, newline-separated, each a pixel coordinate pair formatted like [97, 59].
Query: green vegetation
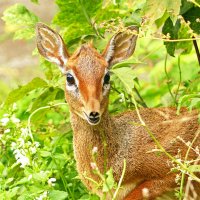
[35, 134]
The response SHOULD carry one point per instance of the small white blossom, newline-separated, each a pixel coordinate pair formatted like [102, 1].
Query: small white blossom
[15, 120]
[14, 107]
[6, 115]
[21, 157]
[4, 121]
[93, 165]
[42, 196]
[51, 181]
[24, 132]
[32, 150]
[7, 131]
[21, 142]
[30, 177]
[37, 144]
[94, 150]
[145, 193]
[13, 145]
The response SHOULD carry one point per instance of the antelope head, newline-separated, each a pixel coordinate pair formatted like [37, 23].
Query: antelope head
[86, 70]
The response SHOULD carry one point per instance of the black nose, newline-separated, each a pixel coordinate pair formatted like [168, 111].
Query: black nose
[94, 117]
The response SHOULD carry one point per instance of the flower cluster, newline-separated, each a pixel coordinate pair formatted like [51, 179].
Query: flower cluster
[23, 149]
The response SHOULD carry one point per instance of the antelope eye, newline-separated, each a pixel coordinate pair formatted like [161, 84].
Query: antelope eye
[70, 79]
[106, 78]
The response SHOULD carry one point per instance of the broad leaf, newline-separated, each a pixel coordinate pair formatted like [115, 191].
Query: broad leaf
[21, 20]
[191, 16]
[126, 76]
[126, 63]
[22, 91]
[109, 182]
[172, 30]
[57, 194]
[155, 9]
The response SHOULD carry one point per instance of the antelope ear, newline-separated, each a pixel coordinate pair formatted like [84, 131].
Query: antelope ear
[121, 46]
[51, 46]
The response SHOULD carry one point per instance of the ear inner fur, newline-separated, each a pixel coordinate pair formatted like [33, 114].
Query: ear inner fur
[51, 46]
[121, 46]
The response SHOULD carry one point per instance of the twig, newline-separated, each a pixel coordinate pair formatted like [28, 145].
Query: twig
[140, 97]
[197, 50]
[180, 80]
[168, 80]
[186, 158]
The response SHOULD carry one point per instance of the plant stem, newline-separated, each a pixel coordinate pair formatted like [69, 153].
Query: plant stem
[140, 97]
[197, 50]
[186, 158]
[120, 181]
[168, 79]
[180, 80]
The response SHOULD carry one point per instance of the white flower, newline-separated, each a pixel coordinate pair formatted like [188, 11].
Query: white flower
[4, 121]
[30, 177]
[15, 120]
[21, 142]
[24, 132]
[42, 196]
[7, 131]
[93, 165]
[14, 107]
[13, 145]
[94, 150]
[21, 158]
[32, 150]
[6, 115]
[51, 181]
[37, 144]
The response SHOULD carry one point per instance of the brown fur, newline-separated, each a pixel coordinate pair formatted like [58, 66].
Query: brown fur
[124, 136]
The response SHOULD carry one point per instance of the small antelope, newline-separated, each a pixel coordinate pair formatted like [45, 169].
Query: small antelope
[147, 174]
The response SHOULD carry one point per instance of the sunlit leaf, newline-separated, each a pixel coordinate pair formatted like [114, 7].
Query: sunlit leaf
[22, 91]
[21, 20]
[126, 76]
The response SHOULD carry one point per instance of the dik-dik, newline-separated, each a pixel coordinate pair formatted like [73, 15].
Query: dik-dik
[87, 92]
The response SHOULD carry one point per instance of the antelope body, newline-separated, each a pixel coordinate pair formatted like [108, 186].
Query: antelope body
[87, 90]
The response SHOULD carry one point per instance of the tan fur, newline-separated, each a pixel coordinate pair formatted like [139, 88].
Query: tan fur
[147, 171]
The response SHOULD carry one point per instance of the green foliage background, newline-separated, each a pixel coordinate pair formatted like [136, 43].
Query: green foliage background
[160, 73]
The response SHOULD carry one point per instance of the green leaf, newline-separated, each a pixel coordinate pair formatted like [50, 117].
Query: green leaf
[49, 95]
[109, 182]
[185, 6]
[194, 168]
[186, 98]
[126, 76]
[173, 8]
[183, 33]
[155, 9]
[21, 21]
[35, 1]
[126, 63]
[19, 93]
[192, 15]
[172, 30]
[57, 194]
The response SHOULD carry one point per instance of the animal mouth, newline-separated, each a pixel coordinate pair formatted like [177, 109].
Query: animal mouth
[94, 120]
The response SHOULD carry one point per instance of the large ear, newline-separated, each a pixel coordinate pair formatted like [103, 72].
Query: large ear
[121, 46]
[51, 46]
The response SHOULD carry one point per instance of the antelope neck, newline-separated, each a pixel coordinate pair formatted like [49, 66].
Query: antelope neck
[86, 137]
